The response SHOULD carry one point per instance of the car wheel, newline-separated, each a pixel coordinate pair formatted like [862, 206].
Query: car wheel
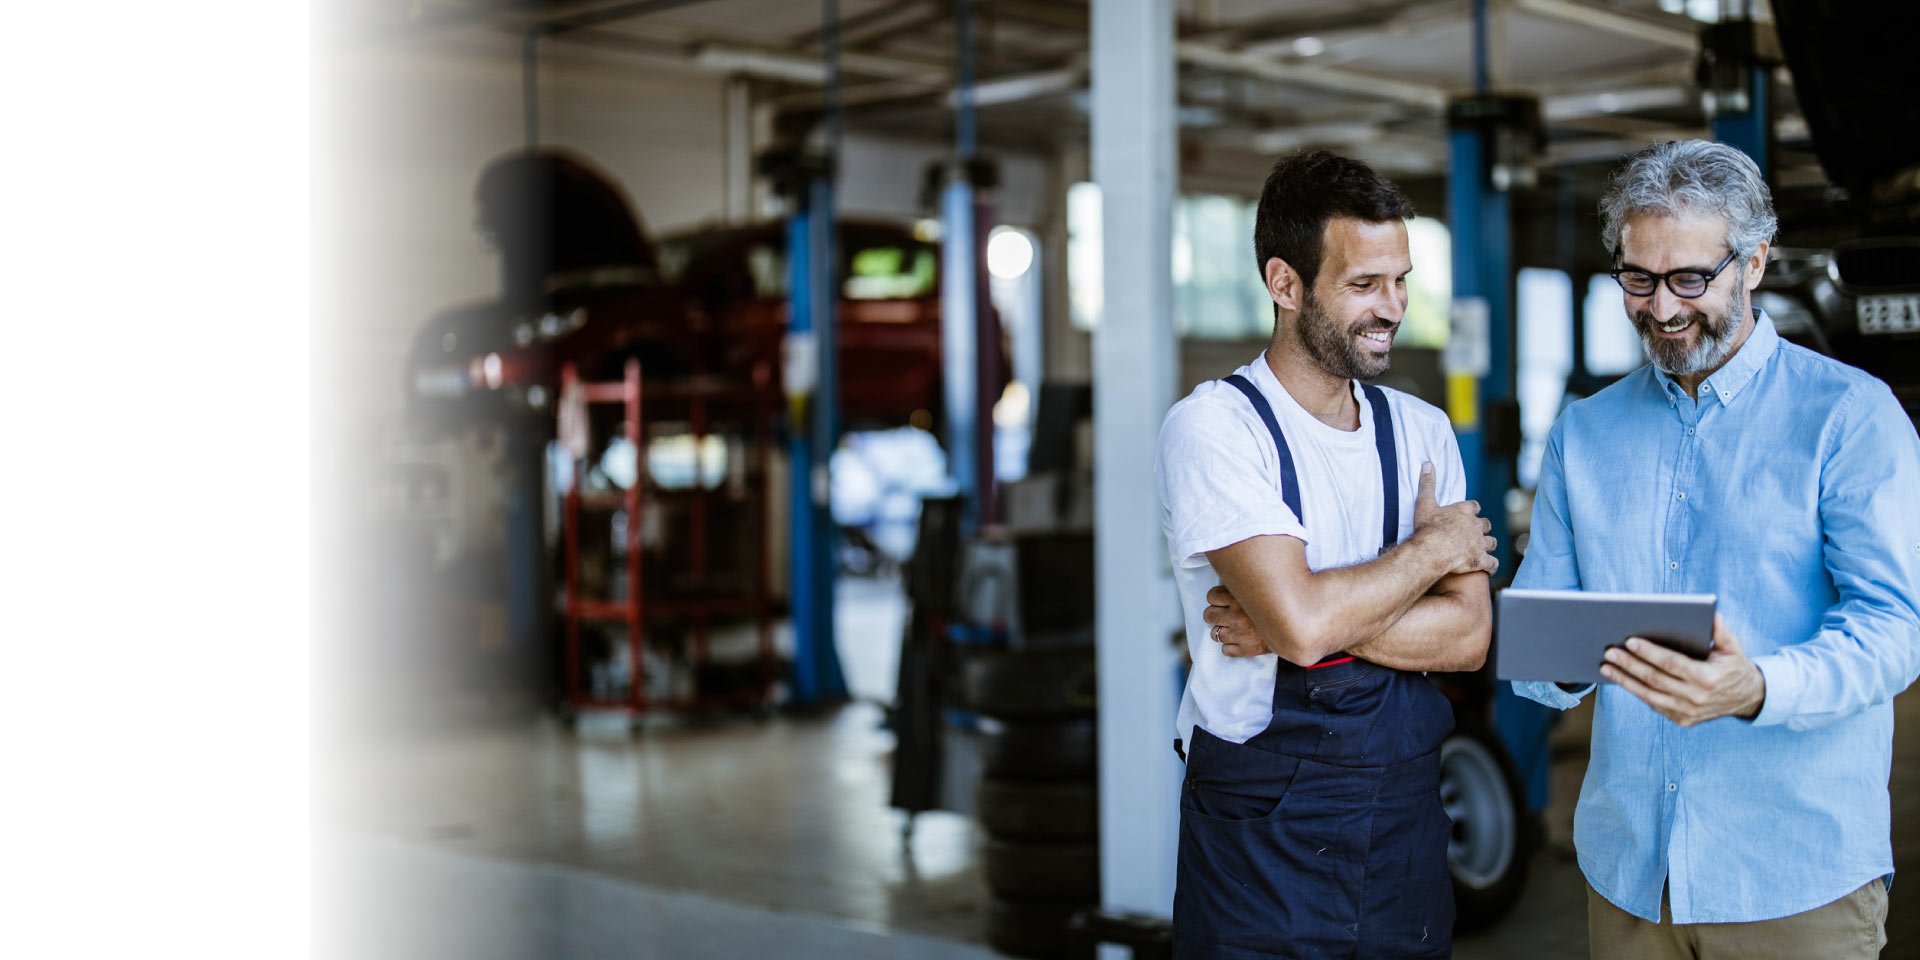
[1490, 845]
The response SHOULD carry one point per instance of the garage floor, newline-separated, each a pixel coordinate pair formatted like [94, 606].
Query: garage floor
[512, 838]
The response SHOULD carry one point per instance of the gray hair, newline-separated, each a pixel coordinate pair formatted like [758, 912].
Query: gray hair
[1692, 176]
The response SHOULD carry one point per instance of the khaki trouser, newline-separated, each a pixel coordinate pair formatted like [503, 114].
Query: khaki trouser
[1854, 926]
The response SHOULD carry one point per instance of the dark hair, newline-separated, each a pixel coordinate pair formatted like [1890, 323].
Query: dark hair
[1306, 190]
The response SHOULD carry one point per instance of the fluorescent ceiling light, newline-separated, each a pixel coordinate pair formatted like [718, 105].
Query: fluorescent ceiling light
[1023, 87]
[1575, 106]
[1316, 134]
[757, 63]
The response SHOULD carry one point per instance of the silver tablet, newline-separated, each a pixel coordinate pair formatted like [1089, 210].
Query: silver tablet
[1562, 635]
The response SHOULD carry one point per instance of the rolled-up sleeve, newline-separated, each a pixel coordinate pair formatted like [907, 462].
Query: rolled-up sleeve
[1867, 647]
[1550, 563]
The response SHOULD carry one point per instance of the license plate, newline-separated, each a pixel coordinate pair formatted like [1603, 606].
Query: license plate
[1896, 313]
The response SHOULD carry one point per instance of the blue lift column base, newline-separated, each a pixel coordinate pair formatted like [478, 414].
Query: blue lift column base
[1486, 131]
[813, 431]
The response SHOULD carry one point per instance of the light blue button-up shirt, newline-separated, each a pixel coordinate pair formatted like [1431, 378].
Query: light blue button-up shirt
[1791, 489]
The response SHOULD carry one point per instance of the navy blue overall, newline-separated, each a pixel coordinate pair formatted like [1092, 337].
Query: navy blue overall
[1323, 835]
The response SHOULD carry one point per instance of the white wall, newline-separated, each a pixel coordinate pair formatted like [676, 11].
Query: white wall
[404, 131]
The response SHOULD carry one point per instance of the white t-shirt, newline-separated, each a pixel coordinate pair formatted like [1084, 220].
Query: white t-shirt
[1219, 478]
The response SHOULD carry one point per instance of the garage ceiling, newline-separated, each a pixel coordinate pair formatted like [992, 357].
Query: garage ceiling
[1368, 77]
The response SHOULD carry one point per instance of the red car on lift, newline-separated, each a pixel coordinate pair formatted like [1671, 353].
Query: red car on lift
[889, 332]
[583, 284]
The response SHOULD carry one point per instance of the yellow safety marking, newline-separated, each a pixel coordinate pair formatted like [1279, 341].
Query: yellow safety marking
[1463, 400]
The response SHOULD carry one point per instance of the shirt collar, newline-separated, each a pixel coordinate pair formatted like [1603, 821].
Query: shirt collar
[1728, 381]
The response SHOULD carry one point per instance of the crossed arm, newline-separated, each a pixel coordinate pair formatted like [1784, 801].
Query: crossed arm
[1424, 605]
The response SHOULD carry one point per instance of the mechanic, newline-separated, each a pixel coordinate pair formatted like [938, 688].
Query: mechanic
[1318, 577]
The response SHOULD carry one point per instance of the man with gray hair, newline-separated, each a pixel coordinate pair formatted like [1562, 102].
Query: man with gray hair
[1735, 806]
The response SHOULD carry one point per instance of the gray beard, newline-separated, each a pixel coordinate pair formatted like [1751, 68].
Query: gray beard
[1711, 349]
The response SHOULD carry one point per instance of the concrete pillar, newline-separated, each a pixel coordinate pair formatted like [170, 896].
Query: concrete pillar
[1134, 353]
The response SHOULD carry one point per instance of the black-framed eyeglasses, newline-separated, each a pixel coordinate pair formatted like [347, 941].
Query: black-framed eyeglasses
[1685, 284]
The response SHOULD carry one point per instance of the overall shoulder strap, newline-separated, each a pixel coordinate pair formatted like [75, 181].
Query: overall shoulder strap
[1289, 481]
[1389, 464]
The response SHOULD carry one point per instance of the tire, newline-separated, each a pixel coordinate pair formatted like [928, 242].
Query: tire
[1039, 750]
[1032, 928]
[1030, 686]
[1491, 843]
[1060, 871]
[1016, 810]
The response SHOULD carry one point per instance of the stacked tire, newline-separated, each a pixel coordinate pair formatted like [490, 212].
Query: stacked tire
[1038, 799]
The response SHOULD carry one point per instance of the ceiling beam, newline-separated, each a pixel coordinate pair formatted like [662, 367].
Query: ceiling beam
[1065, 15]
[1628, 127]
[861, 95]
[535, 15]
[416, 23]
[589, 19]
[1271, 29]
[854, 22]
[1610, 102]
[1673, 73]
[1026, 86]
[1324, 78]
[736, 47]
[873, 39]
[1609, 148]
[1669, 30]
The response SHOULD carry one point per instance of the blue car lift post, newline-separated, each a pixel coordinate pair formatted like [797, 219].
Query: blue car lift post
[1734, 77]
[1490, 141]
[963, 346]
[812, 385]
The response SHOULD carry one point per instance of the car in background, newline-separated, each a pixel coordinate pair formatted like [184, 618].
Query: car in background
[1854, 78]
[889, 314]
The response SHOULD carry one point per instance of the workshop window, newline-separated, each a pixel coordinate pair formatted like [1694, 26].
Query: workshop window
[1429, 286]
[1544, 318]
[1218, 292]
[1613, 348]
[1085, 295]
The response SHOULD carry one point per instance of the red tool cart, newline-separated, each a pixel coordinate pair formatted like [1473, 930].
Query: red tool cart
[665, 603]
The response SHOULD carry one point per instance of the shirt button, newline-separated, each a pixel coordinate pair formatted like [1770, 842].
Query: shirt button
[1673, 564]
[1671, 787]
[1689, 431]
[1682, 495]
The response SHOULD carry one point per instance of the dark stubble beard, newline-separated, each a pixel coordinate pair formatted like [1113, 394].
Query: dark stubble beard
[1336, 348]
[1710, 349]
